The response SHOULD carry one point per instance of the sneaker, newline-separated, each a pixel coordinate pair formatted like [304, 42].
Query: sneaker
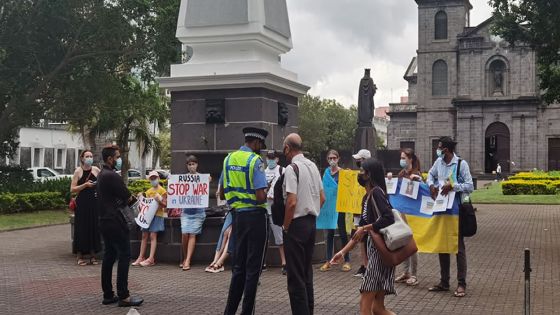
[325, 267]
[284, 272]
[360, 272]
[264, 268]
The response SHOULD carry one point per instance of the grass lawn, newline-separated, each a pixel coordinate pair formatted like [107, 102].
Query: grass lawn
[29, 219]
[494, 195]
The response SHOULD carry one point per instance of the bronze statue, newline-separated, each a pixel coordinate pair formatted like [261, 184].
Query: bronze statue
[282, 114]
[365, 100]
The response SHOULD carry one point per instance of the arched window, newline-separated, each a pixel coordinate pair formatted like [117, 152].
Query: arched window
[440, 25]
[439, 78]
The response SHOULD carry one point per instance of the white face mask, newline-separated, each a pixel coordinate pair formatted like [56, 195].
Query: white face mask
[154, 182]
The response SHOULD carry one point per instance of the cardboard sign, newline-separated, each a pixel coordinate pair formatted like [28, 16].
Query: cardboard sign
[147, 208]
[350, 193]
[188, 191]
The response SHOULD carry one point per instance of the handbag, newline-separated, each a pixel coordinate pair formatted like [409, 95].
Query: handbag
[396, 257]
[467, 216]
[397, 234]
[72, 205]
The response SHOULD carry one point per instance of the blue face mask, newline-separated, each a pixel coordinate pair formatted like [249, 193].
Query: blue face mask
[439, 153]
[118, 164]
[271, 163]
[88, 161]
[404, 164]
[154, 182]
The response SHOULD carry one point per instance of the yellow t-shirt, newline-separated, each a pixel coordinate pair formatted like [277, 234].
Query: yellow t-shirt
[150, 193]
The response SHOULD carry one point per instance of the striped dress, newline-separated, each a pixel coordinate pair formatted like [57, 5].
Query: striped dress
[377, 277]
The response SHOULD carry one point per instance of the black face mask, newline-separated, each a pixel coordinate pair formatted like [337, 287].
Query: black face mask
[359, 164]
[362, 180]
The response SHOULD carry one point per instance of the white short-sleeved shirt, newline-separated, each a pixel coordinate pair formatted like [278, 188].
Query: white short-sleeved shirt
[308, 188]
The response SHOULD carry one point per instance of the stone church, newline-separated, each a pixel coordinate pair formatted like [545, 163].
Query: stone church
[472, 85]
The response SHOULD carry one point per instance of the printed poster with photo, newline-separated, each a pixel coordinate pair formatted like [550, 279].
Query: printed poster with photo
[409, 188]
[391, 185]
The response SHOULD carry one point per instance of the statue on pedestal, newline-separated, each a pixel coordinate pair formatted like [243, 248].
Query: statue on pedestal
[365, 137]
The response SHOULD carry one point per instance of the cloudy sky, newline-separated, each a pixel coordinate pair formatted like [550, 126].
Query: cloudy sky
[334, 40]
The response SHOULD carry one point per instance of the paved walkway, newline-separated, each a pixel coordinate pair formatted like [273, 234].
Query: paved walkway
[38, 275]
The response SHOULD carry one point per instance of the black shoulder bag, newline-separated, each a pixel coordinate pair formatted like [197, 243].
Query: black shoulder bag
[467, 217]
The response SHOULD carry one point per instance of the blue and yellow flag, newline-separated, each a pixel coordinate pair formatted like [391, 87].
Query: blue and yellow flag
[437, 233]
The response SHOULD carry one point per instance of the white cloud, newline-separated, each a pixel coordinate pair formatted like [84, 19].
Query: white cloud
[334, 40]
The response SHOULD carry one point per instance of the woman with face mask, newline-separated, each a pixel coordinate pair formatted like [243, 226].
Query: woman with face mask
[191, 222]
[378, 280]
[87, 239]
[330, 185]
[157, 225]
[410, 169]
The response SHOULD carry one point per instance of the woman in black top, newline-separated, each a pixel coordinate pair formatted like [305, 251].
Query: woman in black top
[378, 279]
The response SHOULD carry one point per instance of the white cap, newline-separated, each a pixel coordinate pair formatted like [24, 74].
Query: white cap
[153, 174]
[362, 155]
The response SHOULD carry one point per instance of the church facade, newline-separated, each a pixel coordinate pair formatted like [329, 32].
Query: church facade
[473, 86]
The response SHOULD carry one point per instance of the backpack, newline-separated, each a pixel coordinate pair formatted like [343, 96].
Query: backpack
[278, 208]
[467, 217]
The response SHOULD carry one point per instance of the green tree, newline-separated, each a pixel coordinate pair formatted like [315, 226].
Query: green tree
[325, 124]
[47, 45]
[165, 152]
[537, 23]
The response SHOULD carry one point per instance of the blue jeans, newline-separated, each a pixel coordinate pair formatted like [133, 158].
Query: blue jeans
[343, 238]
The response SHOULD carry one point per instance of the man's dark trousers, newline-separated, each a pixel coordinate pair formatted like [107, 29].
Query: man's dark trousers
[299, 242]
[250, 235]
[445, 262]
[117, 246]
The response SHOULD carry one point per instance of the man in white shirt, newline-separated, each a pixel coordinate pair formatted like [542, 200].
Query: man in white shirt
[304, 197]
[272, 172]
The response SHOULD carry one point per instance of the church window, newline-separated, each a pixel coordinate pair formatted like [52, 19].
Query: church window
[440, 25]
[439, 78]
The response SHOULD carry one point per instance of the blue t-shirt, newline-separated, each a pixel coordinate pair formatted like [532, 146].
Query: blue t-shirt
[259, 177]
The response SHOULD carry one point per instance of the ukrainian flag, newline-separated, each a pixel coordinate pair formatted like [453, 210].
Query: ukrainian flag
[437, 233]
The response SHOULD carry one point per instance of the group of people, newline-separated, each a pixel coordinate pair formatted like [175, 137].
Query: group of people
[246, 184]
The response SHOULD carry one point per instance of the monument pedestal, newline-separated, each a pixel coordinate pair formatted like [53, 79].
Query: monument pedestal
[366, 138]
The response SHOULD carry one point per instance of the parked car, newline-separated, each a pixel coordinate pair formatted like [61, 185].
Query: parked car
[163, 174]
[46, 173]
[134, 174]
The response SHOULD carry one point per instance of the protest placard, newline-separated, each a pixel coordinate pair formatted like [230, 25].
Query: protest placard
[350, 193]
[188, 191]
[147, 208]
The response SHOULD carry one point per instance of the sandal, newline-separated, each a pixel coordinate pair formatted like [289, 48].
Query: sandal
[82, 262]
[346, 267]
[93, 261]
[460, 291]
[438, 288]
[402, 278]
[217, 268]
[325, 267]
[138, 261]
[412, 281]
[147, 263]
[209, 268]
[186, 267]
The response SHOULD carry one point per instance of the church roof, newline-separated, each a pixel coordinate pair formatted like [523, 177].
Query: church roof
[438, 2]
[469, 31]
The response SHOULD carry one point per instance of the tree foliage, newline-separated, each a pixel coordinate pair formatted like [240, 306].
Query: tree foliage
[537, 23]
[326, 124]
[64, 54]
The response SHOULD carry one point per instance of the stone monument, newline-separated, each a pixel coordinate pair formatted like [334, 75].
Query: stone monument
[230, 78]
[365, 133]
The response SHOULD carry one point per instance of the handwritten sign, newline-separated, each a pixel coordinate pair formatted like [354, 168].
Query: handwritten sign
[147, 208]
[350, 193]
[188, 191]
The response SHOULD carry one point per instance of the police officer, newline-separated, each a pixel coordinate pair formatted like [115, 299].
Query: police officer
[243, 185]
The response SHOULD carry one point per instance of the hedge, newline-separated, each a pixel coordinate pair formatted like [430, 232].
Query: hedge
[530, 187]
[536, 175]
[142, 185]
[26, 202]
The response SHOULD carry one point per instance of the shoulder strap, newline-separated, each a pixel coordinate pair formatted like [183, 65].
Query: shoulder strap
[296, 170]
[281, 171]
[459, 169]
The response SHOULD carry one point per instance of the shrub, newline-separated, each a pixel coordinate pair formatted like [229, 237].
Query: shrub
[536, 175]
[25, 202]
[142, 185]
[530, 187]
[15, 179]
